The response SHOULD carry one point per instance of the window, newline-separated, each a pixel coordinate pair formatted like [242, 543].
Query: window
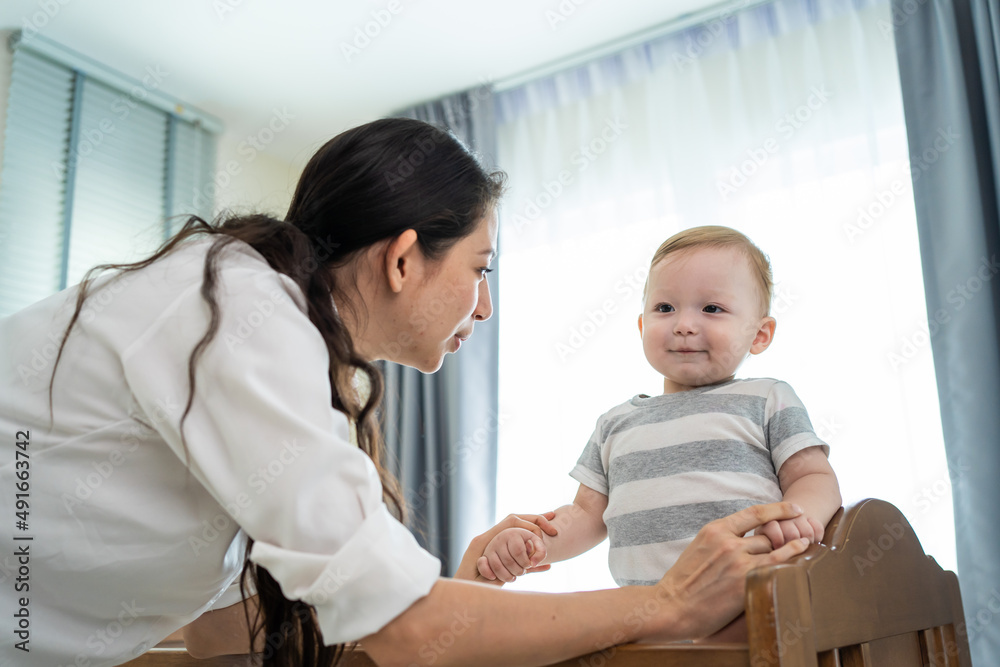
[783, 121]
[94, 166]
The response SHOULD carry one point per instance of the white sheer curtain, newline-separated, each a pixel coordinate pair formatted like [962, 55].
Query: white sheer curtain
[783, 121]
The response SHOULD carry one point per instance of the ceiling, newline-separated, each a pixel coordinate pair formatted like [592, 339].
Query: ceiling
[243, 60]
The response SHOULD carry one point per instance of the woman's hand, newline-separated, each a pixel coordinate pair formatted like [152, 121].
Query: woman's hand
[706, 586]
[536, 523]
[698, 596]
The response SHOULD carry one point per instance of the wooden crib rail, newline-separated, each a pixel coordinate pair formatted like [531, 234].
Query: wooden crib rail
[867, 597]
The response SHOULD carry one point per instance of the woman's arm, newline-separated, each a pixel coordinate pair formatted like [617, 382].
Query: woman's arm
[222, 631]
[467, 623]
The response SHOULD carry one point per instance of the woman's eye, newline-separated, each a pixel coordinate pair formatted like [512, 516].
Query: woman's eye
[712, 309]
[484, 270]
[664, 308]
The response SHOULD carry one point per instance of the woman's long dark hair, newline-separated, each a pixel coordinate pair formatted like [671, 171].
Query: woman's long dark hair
[365, 185]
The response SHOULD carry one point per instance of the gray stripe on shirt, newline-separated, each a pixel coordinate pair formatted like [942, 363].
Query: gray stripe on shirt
[787, 422]
[698, 456]
[666, 524]
[591, 458]
[681, 405]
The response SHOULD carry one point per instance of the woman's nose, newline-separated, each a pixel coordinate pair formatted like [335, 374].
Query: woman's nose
[484, 307]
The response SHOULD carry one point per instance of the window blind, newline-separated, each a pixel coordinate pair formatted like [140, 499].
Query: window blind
[118, 203]
[191, 169]
[96, 169]
[32, 187]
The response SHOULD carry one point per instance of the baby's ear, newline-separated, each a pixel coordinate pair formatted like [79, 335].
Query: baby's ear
[765, 334]
[640, 325]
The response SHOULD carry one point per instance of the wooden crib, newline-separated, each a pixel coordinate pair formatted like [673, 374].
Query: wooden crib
[867, 597]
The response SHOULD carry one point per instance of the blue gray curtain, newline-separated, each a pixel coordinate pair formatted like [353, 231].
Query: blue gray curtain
[441, 429]
[948, 60]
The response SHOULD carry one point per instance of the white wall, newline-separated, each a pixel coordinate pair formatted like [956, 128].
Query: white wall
[251, 180]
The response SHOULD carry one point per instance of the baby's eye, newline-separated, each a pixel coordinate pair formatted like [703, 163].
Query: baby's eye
[664, 308]
[711, 308]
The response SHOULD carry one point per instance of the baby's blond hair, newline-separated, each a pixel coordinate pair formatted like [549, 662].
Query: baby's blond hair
[715, 236]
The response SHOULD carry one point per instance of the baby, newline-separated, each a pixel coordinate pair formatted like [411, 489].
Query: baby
[658, 468]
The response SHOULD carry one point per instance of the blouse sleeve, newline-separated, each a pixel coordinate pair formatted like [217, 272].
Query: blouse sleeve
[262, 436]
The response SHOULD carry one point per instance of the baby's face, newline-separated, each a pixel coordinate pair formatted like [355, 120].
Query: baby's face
[702, 316]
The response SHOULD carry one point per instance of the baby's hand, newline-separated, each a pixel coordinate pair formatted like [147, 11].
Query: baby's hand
[783, 532]
[511, 553]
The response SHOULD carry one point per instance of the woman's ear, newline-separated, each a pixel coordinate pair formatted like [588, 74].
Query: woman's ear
[765, 334]
[402, 258]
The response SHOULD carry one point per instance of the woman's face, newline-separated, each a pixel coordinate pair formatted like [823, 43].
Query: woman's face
[451, 296]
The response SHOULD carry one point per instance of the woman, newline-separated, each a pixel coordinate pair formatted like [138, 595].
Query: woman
[187, 419]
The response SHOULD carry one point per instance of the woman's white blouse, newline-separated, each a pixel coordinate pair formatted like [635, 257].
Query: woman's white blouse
[132, 536]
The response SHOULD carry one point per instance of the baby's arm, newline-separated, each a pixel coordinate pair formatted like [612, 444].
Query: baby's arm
[808, 480]
[580, 527]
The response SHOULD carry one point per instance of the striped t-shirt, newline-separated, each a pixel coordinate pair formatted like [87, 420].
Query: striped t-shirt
[669, 464]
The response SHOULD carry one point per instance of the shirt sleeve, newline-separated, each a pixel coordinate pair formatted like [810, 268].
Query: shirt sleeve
[262, 435]
[589, 469]
[787, 425]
